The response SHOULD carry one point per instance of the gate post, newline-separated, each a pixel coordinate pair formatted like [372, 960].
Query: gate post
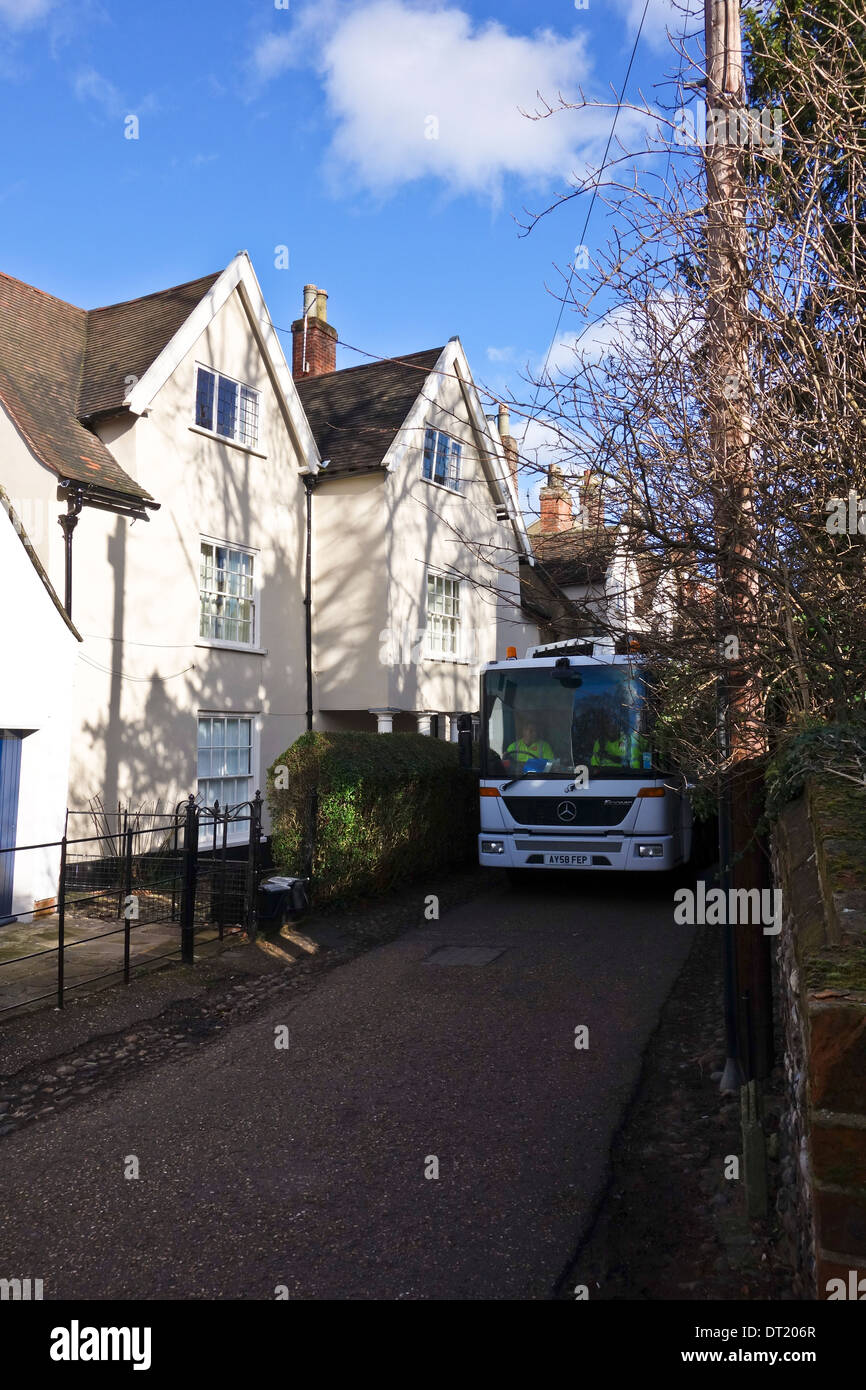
[119, 848]
[190, 874]
[253, 863]
[127, 894]
[61, 916]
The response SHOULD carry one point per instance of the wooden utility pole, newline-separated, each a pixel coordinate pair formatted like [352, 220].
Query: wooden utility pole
[732, 482]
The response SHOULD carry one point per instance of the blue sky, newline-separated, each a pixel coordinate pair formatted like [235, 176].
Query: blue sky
[379, 140]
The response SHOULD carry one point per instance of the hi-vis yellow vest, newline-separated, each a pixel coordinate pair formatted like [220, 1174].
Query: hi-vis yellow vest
[525, 752]
[624, 751]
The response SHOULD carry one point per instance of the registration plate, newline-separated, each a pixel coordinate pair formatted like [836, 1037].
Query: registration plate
[568, 860]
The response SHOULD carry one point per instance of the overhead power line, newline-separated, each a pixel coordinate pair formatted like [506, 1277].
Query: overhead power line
[582, 241]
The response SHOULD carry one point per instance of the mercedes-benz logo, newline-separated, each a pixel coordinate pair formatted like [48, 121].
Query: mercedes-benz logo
[567, 811]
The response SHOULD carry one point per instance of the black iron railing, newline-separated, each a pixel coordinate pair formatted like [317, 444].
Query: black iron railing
[198, 867]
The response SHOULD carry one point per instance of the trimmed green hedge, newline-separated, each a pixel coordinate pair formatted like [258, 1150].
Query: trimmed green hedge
[366, 811]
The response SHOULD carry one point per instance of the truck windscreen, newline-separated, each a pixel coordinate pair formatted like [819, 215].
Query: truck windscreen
[541, 723]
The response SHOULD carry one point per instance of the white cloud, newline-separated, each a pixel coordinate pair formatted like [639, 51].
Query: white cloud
[90, 85]
[666, 327]
[273, 55]
[495, 354]
[614, 330]
[303, 36]
[417, 93]
[19, 13]
[540, 446]
[663, 17]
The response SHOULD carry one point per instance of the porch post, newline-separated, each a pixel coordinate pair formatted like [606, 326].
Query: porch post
[384, 720]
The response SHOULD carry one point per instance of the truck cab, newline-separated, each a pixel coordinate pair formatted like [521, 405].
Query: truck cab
[570, 778]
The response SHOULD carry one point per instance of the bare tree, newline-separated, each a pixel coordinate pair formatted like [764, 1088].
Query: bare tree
[638, 390]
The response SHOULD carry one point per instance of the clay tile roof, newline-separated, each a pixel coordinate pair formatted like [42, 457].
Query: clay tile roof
[125, 339]
[355, 413]
[575, 556]
[41, 353]
[60, 365]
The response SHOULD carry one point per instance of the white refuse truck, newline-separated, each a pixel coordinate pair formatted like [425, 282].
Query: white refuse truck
[570, 778]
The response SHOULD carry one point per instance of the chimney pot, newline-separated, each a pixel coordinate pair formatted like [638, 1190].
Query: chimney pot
[591, 502]
[509, 445]
[556, 509]
[314, 341]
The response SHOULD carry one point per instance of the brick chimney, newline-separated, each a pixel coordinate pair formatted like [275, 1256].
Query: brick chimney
[509, 444]
[314, 341]
[555, 498]
[591, 503]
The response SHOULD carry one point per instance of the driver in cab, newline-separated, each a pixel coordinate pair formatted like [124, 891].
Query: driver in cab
[527, 747]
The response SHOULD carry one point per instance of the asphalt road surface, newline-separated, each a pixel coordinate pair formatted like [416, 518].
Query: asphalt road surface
[311, 1168]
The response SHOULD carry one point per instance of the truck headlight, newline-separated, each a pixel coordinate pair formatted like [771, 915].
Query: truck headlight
[492, 847]
[650, 851]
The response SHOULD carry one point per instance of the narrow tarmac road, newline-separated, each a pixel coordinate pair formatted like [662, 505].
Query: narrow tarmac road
[306, 1167]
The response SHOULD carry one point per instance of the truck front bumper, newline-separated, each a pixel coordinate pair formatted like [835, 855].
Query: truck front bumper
[642, 853]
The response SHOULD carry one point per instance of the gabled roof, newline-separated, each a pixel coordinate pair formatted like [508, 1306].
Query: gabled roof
[42, 349]
[123, 340]
[585, 556]
[62, 368]
[367, 418]
[355, 413]
[238, 276]
[576, 556]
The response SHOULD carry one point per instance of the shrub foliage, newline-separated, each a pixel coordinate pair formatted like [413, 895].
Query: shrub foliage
[362, 812]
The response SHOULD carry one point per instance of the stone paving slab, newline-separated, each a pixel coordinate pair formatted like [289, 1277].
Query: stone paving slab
[93, 948]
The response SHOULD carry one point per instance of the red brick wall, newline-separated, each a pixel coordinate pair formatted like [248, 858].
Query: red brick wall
[823, 1002]
[556, 513]
[837, 1093]
[321, 348]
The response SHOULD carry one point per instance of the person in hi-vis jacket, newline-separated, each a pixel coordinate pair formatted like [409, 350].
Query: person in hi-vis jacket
[622, 750]
[527, 747]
